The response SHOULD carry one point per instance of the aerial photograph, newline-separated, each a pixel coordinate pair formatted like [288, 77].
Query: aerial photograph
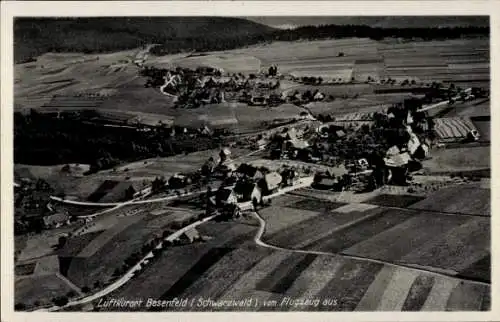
[211, 163]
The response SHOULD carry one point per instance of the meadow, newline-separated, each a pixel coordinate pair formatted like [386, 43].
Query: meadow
[114, 78]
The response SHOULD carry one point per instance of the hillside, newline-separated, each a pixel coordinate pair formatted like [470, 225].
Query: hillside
[373, 21]
[35, 36]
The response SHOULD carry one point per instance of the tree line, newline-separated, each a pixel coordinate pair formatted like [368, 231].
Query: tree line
[34, 37]
[45, 140]
[226, 42]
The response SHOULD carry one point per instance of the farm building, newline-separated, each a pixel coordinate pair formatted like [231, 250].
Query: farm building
[296, 144]
[473, 135]
[261, 144]
[208, 167]
[190, 236]
[325, 183]
[394, 150]
[363, 163]
[259, 100]
[224, 196]
[230, 211]
[225, 169]
[205, 130]
[247, 191]
[409, 118]
[208, 70]
[319, 96]
[340, 134]
[413, 143]
[421, 152]
[289, 177]
[398, 167]
[270, 183]
[398, 160]
[224, 154]
[177, 181]
[291, 134]
[55, 220]
[249, 171]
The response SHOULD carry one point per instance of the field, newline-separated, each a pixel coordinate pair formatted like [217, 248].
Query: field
[453, 128]
[458, 159]
[52, 73]
[40, 289]
[447, 61]
[226, 61]
[353, 109]
[365, 252]
[418, 234]
[105, 186]
[465, 199]
[388, 253]
[40, 245]
[229, 266]
[107, 251]
[110, 185]
[483, 125]
[236, 116]
[471, 109]
[168, 166]
[115, 78]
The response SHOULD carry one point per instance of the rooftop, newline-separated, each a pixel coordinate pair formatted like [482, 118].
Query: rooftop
[273, 179]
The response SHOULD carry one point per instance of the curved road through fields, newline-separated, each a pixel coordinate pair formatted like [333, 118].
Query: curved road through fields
[129, 275]
[428, 270]
[303, 182]
[130, 202]
[135, 201]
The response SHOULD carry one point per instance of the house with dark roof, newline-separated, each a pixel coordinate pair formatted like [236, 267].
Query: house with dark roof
[340, 134]
[289, 177]
[296, 144]
[224, 196]
[398, 167]
[55, 220]
[394, 150]
[261, 144]
[397, 160]
[325, 183]
[208, 167]
[270, 183]
[249, 171]
[229, 211]
[190, 236]
[422, 152]
[247, 191]
[224, 155]
[177, 181]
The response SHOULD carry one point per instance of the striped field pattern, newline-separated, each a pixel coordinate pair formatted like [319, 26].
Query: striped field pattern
[348, 257]
[453, 127]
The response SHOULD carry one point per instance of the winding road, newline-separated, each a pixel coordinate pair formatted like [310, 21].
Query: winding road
[428, 270]
[130, 202]
[303, 182]
[129, 275]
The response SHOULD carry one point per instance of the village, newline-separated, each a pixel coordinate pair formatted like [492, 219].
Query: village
[209, 177]
[358, 154]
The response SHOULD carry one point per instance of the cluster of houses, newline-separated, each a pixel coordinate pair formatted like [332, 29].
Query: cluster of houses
[209, 85]
[288, 144]
[398, 161]
[246, 183]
